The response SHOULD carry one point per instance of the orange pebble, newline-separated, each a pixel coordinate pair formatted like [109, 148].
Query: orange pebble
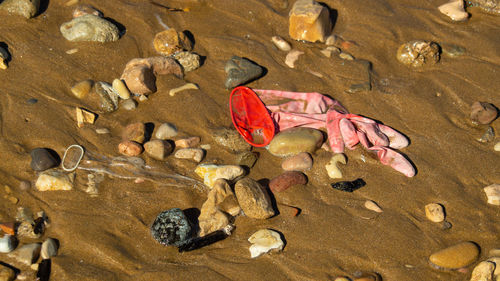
[8, 228]
[347, 44]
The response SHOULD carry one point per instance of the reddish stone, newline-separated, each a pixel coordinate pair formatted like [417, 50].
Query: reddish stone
[286, 180]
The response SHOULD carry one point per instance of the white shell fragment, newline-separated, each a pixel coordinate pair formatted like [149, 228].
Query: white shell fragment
[455, 10]
[281, 44]
[264, 241]
[493, 194]
[7, 243]
[72, 157]
[291, 57]
[373, 206]
[188, 86]
[332, 169]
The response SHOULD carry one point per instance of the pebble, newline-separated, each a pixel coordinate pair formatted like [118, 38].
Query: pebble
[287, 180]
[331, 40]
[84, 116]
[25, 185]
[248, 159]
[27, 254]
[434, 212]
[27, 229]
[82, 88]
[188, 86]
[189, 61]
[83, 10]
[497, 146]
[169, 42]
[332, 168]
[230, 139]
[263, 241]
[7, 243]
[456, 256]
[25, 8]
[140, 74]
[90, 28]
[130, 148]
[483, 271]
[349, 186]
[102, 131]
[166, 131]
[346, 56]
[108, 96]
[43, 159]
[292, 57]
[121, 89]
[281, 43]
[455, 10]
[72, 157]
[171, 227]
[418, 53]
[6, 273]
[129, 104]
[493, 194]
[53, 180]
[158, 149]
[309, 21]
[134, 132]
[327, 52]
[72, 51]
[240, 71]
[49, 248]
[254, 199]
[210, 173]
[4, 58]
[296, 140]
[195, 154]
[483, 112]
[188, 142]
[373, 206]
[300, 162]
[496, 261]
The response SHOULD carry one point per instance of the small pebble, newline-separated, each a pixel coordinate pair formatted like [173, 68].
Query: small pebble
[346, 56]
[188, 142]
[483, 113]
[129, 104]
[43, 159]
[455, 10]
[130, 148]
[300, 162]
[287, 180]
[264, 241]
[72, 51]
[166, 131]
[82, 88]
[134, 132]
[240, 70]
[195, 154]
[54, 180]
[189, 62]
[49, 248]
[90, 28]
[102, 131]
[188, 86]
[24, 185]
[169, 42]
[456, 256]
[309, 21]
[493, 194]
[434, 212]
[331, 40]
[418, 53]
[121, 89]
[483, 271]
[292, 57]
[332, 167]
[349, 186]
[281, 43]
[158, 149]
[25, 8]
[372, 205]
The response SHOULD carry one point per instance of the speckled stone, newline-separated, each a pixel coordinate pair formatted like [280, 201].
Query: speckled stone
[90, 28]
[25, 8]
[171, 227]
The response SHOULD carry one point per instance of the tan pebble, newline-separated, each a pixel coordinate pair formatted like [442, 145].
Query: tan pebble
[483, 271]
[483, 112]
[71, 51]
[331, 40]
[309, 21]
[130, 148]
[188, 86]
[418, 53]
[134, 132]
[188, 142]
[52, 180]
[24, 185]
[102, 131]
[434, 212]
[7, 188]
[143, 98]
[372, 205]
[300, 162]
[346, 56]
[82, 88]
[121, 89]
[497, 146]
[332, 168]
[170, 41]
[195, 154]
[158, 149]
[291, 57]
[281, 43]
[71, 3]
[455, 10]
[493, 194]
[84, 116]
[456, 256]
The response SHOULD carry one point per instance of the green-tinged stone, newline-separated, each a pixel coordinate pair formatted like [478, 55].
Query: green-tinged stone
[295, 140]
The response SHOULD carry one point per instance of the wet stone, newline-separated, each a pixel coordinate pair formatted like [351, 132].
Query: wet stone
[27, 254]
[188, 142]
[158, 149]
[300, 162]
[129, 104]
[287, 180]
[90, 28]
[230, 139]
[418, 53]
[166, 131]
[169, 42]
[25, 8]
[349, 186]
[49, 248]
[493, 194]
[43, 159]
[456, 256]
[248, 159]
[109, 98]
[82, 88]
[483, 113]
[309, 21]
[189, 61]
[135, 132]
[253, 199]
[195, 154]
[264, 241]
[240, 71]
[130, 148]
[483, 271]
[434, 212]
[171, 227]
[296, 140]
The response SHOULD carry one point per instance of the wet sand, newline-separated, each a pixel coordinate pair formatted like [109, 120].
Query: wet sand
[107, 237]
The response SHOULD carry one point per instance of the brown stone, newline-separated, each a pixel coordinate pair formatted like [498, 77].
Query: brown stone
[456, 256]
[483, 112]
[286, 180]
[309, 21]
[158, 149]
[187, 142]
[130, 148]
[135, 132]
[169, 42]
[253, 199]
[300, 162]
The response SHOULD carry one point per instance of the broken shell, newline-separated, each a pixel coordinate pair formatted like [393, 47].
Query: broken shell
[72, 157]
[281, 44]
[188, 86]
[434, 212]
[455, 10]
[372, 205]
[493, 194]
[291, 57]
[332, 168]
[7, 243]
[264, 241]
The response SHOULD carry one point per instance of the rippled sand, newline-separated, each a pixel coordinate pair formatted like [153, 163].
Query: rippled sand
[107, 237]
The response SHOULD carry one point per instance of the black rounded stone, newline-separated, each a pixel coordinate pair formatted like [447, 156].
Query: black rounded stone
[43, 159]
[171, 227]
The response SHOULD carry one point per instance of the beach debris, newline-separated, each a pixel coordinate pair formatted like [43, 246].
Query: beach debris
[188, 60]
[158, 149]
[418, 53]
[281, 43]
[263, 241]
[129, 104]
[455, 257]
[72, 157]
[199, 242]
[84, 116]
[292, 57]
[4, 58]
[349, 186]
[108, 96]
[166, 131]
[82, 10]
[287, 180]
[241, 71]
[254, 199]
[373, 206]
[49, 248]
[455, 10]
[43, 159]
[43, 271]
[25, 8]
[82, 88]
[169, 42]
[52, 180]
[496, 147]
[7, 243]
[27, 254]
[248, 159]
[135, 132]
[121, 89]
[140, 73]
[309, 21]
[90, 28]
[188, 86]
[493, 194]
[210, 173]
[230, 139]
[483, 113]
[299, 162]
[195, 154]
[483, 271]
[188, 142]
[130, 148]
[171, 227]
[7, 273]
[332, 167]
[294, 141]
[488, 136]
[435, 212]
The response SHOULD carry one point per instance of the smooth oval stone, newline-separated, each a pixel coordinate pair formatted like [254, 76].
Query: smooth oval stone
[129, 104]
[287, 180]
[129, 148]
[456, 256]
[121, 89]
[300, 162]
[171, 227]
[82, 88]
[294, 141]
[43, 159]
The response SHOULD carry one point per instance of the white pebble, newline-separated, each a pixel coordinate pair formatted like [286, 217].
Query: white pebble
[102, 131]
[371, 205]
[195, 154]
[291, 57]
[129, 104]
[166, 131]
[332, 168]
[455, 10]
[121, 89]
[281, 44]
[264, 241]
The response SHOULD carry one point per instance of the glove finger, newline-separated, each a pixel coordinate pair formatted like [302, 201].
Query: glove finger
[333, 130]
[374, 135]
[348, 132]
[396, 139]
[395, 160]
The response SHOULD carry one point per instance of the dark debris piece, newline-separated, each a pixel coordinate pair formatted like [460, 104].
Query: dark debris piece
[199, 242]
[43, 273]
[349, 186]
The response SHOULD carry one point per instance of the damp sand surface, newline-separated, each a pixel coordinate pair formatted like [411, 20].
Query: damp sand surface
[107, 237]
